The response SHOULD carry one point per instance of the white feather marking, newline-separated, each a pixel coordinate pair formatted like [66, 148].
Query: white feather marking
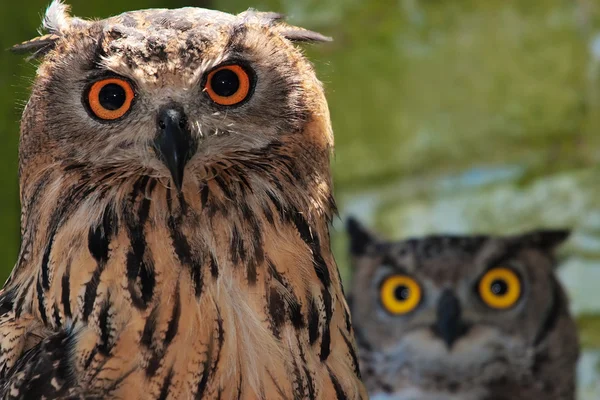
[57, 17]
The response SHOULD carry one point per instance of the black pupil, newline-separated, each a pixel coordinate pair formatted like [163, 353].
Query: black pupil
[499, 287]
[225, 83]
[402, 293]
[112, 96]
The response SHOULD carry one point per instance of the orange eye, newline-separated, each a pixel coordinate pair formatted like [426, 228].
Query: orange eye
[228, 85]
[110, 98]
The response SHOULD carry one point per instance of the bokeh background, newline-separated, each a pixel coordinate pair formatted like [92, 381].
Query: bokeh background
[450, 116]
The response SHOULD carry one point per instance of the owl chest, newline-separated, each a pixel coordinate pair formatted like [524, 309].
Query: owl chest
[201, 303]
[138, 259]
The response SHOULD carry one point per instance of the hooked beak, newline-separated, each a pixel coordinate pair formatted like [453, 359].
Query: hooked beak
[174, 144]
[449, 325]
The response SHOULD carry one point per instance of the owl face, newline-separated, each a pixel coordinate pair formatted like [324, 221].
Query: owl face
[453, 308]
[163, 92]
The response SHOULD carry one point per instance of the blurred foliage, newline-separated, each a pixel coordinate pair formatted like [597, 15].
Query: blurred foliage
[589, 326]
[429, 87]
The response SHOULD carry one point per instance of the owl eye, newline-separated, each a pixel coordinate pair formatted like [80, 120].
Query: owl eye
[228, 85]
[500, 288]
[400, 294]
[110, 99]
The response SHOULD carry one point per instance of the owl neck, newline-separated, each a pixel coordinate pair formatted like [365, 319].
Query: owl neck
[235, 266]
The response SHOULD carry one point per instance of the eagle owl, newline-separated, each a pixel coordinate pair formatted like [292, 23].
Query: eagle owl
[462, 317]
[176, 200]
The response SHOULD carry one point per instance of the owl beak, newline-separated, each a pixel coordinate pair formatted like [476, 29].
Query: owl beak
[174, 143]
[449, 325]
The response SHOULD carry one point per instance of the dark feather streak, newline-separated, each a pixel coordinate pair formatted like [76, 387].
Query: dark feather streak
[339, 391]
[66, 291]
[164, 390]
[174, 321]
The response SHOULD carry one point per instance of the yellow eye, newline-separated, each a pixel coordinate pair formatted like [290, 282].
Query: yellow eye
[500, 288]
[400, 294]
[228, 85]
[110, 98]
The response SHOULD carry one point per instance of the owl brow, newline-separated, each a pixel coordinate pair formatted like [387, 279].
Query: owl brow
[99, 54]
[100, 72]
[393, 264]
[506, 257]
[235, 43]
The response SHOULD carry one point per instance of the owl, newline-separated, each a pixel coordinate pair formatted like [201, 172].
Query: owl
[452, 317]
[176, 202]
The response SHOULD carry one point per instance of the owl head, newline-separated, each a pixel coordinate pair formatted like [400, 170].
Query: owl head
[168, 93]
[455, 311]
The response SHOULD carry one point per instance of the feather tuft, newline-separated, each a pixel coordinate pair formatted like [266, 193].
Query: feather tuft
[57, 17]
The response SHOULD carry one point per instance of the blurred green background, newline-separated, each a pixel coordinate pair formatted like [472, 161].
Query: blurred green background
[450, 115]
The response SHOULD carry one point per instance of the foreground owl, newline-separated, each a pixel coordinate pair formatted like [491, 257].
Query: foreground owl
[176, 198]
[462, 317]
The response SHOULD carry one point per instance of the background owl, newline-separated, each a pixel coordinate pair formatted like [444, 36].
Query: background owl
[462, 317]
[176, 200]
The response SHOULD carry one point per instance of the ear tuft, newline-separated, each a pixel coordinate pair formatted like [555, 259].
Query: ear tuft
[547, 239]
[268, 18]
[292, 33]
[300, 35]
[56, 21]
[38, 46]
[57, 17]
[360, 237]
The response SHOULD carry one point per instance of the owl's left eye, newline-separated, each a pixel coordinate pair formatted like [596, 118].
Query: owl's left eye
[500, 288]
[400, 294]
[110, 98]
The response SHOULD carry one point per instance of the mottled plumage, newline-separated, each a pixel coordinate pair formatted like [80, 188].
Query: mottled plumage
[462, 340]
[179, 250]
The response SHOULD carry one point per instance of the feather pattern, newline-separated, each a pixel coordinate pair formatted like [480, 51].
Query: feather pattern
[125, 286]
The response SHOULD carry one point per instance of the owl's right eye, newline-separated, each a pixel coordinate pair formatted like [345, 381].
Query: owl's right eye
[500, 288]
[110, 99]
[228, 85]
[400, 294]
